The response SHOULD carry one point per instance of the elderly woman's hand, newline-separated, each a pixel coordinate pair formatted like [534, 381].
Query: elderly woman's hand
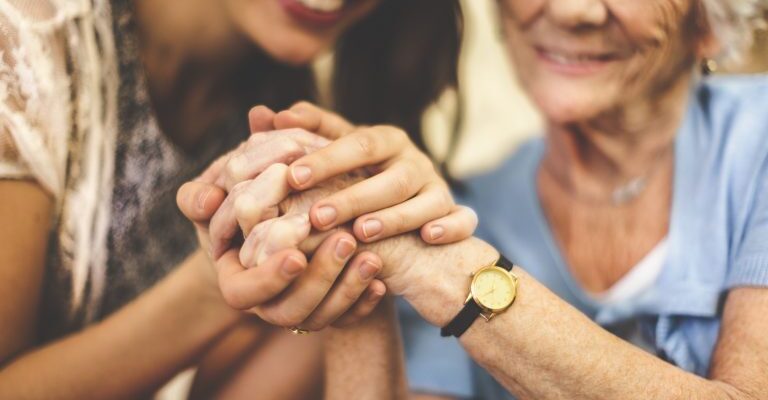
[326, 290]
[280, 264]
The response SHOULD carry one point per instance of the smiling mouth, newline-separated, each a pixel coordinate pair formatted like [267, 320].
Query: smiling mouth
[323, 6]
[316, 13]
[576, 63]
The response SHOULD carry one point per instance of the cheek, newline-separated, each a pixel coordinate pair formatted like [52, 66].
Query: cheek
[651, 23]
[521, 11]
[560, 98]
[663, 36]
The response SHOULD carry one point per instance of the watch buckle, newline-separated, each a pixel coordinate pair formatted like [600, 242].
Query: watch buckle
[488, 317]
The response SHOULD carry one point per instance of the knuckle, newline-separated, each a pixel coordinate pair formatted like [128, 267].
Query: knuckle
[233, 170]
[285, 143]
[366, 143]
[425, 163]
[349, 293]
[398, 222]
[349, 201]
[402, 185]
[253, 142]
[276, 170]
[394, 133]
[443, 200]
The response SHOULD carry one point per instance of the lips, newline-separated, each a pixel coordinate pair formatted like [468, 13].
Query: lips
[315, 13]
[575, 62]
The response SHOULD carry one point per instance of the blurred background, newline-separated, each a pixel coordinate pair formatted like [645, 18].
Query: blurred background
[497, 116]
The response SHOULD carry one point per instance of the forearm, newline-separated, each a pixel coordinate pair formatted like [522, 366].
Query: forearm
[132, 352]
[365, 361]
[541, 347]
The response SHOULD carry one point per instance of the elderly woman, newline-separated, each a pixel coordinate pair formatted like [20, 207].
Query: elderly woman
[642, 214]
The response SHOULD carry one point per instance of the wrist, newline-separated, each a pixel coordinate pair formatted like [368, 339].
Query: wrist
[435, 279]
[203, 282]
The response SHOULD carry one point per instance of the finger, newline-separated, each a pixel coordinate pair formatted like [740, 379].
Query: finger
[255, 158]
[259, 199]
[432, 202]
[393, 186]
[345, 293]
[245, 288]
[199, 201]
[249, 202]
[260, 119]
[364, 306]
[264, 149]
[456, 226]
[361, 148]
[314, 119]
[272, 236]
[307, 292]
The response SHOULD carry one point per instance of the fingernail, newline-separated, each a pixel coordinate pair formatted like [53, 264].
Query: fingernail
[436, 232]
[368, 270]
[326, 215]
[344, 249]
[301, 174]
[292, 266]
[202, 199]
[371, 228]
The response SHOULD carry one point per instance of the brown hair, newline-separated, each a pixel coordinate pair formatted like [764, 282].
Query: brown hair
[389, 67]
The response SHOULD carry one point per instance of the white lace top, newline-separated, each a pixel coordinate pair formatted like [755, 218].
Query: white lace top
[75, 117]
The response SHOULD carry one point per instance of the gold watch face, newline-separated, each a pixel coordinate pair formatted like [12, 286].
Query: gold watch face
[493, 288]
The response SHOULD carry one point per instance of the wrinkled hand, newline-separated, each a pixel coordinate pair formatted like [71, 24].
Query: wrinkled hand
[326, 289]
[312, 299]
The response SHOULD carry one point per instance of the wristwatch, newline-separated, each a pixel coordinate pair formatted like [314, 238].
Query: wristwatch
[492, 291]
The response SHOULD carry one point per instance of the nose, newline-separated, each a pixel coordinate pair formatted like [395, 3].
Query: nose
[578, 13]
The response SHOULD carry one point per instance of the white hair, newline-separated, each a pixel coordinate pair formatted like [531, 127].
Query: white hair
[734, 23]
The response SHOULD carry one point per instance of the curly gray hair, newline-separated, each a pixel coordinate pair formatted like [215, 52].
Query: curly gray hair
[734, 23]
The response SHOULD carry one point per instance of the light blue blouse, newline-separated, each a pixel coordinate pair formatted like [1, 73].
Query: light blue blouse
[718, 232]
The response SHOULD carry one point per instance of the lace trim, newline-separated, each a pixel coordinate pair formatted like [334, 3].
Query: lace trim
[58, 123]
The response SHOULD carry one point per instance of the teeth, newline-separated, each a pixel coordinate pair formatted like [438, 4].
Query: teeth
[323, 5]
[568, 59]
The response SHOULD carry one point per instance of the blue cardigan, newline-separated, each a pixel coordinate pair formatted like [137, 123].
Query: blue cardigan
[718, 233]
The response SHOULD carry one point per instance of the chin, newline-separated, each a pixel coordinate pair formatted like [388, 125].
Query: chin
[561, 104]
[293, 51]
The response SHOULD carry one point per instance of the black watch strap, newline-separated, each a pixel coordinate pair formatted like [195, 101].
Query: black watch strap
[471, 310]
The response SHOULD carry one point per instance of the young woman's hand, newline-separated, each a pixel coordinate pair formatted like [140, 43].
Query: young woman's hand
[403, 193]
[278, 283]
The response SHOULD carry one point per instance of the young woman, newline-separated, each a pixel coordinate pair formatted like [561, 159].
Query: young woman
[105, 108]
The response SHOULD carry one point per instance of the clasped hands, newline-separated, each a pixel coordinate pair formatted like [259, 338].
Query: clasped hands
[307, 222]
